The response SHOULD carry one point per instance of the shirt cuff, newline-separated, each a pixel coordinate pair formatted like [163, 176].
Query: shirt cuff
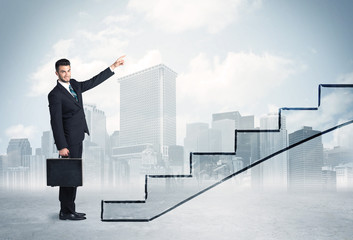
[111, 69]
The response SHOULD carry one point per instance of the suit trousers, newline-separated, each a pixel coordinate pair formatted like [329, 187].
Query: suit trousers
[67, 195]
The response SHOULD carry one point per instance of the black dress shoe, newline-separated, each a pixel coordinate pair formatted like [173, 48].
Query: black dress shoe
[70, 216]
[80, 214]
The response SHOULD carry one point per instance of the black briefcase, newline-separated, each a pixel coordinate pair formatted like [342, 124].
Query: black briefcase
[64, 172]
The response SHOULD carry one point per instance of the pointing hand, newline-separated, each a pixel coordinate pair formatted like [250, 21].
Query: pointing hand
[118, 62]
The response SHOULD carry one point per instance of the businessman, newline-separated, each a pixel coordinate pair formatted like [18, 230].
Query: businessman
[69, 125]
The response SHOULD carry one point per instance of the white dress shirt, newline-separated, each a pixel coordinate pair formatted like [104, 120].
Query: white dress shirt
[65, 85]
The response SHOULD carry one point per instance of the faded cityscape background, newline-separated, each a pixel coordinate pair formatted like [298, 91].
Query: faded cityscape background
[146, 143]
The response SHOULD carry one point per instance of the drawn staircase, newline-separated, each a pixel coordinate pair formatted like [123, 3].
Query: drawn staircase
[159, 199]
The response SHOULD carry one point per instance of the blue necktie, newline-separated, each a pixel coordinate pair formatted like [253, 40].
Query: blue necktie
[73, 93]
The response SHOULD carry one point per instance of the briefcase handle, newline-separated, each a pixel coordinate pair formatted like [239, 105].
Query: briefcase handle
[63, 157]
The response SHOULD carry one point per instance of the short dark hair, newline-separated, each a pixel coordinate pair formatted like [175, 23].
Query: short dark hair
[61, 62]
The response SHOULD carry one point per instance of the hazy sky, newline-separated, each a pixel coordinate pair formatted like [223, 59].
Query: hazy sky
[250, 56]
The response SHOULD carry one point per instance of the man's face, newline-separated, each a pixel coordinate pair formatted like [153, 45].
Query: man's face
[64, 73]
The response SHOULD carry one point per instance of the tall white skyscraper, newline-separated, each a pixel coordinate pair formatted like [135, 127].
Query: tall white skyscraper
[148, 108]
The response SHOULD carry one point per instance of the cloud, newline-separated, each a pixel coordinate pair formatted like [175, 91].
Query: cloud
[116, 19]
[236, 81]
[20, 131]
[345, 78]
[343, 137]
[83, 14]
[88, 53]
[177, 16]
[213, 85]
[150, 58]
[42, 81]
[106, 44]
[336, 108]
[63, 47]
[272, 109]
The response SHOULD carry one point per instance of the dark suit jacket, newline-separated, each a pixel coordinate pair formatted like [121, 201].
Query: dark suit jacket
[67, 117]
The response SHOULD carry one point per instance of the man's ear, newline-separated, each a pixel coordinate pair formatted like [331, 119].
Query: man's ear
[57, 74]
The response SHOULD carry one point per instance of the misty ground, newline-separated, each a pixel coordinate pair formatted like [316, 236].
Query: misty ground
[222, 213]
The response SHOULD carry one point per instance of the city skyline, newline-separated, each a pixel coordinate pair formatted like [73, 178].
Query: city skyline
[342, 165]
[240, 122]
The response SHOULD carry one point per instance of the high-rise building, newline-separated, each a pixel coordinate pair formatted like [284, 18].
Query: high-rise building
[191, 140]
[95, 147]
[17, 150]
[344, 177]
[274, 171]
[148, 108]
[115, 139]
[227, 128]
[247, 143]
[305, 161]
[247, 149]
[337, 156]
[193, 131]
[35, 176]
[329, 180]
[147, 123]
[38, 152]
[240, 122]
[200, 138]
[94, 165]
[176, 155]
[48, 146]
[113, 142]
[3, 161]
[235, 116]
[210, 140]
[96, 122]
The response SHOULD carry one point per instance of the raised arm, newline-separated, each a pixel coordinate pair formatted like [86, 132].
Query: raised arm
[102, 76]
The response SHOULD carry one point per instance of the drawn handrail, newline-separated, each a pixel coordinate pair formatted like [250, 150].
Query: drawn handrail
[232, 153]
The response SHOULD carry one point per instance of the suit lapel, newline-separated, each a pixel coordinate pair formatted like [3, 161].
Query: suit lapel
[66, 93]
